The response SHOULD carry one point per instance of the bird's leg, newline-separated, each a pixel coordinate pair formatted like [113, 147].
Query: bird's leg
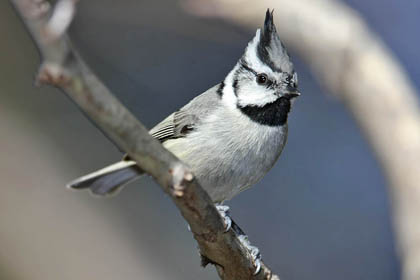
[224, 212]
[243, 238]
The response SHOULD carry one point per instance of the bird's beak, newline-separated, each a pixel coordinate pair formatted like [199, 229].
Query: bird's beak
[291, 95]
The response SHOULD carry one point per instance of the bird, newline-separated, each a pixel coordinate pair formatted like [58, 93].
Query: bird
[232, 134]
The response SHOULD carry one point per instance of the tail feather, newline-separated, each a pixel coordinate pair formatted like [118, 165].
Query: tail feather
[108, 180]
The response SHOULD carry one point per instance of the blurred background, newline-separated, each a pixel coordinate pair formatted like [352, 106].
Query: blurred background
[321, 213]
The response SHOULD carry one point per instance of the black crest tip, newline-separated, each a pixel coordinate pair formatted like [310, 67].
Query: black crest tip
[269, 22]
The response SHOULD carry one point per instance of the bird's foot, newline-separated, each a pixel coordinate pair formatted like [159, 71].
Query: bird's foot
[253, 251]
[224, 212]
[243, 238]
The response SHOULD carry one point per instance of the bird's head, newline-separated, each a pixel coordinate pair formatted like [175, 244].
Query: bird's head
[264, 74]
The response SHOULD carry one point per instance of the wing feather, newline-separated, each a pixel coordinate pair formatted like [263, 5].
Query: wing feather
[180, 123]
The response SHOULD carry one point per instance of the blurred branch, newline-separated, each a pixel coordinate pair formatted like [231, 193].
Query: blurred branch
[353, 64]
[63, 67]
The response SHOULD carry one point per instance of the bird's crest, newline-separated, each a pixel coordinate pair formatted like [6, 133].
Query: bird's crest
[268, 47]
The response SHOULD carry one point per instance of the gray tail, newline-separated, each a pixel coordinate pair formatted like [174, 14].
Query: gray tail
[109, 180]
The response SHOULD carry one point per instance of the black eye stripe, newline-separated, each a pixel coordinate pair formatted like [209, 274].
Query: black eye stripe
[290, 80]
[272, 84]
[246, 67]
[269, 82]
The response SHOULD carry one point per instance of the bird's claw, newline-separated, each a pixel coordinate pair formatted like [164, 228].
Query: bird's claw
[243, 238]
[253, 251]
[224, 212]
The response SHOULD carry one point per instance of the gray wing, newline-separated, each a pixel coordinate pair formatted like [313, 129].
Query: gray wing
[183, 121]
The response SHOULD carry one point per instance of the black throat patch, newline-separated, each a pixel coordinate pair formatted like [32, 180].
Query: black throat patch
[272, 114]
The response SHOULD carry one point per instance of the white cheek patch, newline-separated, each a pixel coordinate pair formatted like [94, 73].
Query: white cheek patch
[252, 94]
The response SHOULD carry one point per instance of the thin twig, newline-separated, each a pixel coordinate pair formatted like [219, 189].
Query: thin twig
[64, 68]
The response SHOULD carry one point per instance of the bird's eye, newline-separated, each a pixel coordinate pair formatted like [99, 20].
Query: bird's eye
[262, 79]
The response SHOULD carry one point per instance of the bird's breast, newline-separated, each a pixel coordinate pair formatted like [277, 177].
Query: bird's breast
[228, 152]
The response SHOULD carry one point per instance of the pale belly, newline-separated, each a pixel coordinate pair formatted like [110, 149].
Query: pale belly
[228, 159]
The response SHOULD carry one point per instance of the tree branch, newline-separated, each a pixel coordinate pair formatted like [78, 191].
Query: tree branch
[64, 68]
[353, 64]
